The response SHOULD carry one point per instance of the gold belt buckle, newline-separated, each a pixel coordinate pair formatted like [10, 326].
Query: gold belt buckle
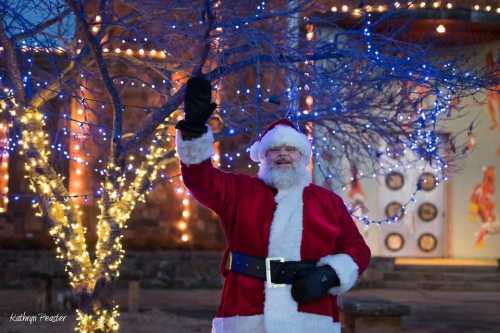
[229, 261]
[269, 282]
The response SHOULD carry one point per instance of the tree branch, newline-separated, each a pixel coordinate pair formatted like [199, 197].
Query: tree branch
[116, 104]
[41, 27]
[197, 71]
[13, 68]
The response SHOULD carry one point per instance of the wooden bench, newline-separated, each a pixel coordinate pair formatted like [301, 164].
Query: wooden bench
[371, 315]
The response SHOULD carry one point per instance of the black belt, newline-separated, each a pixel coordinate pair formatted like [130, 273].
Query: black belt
[275, 271]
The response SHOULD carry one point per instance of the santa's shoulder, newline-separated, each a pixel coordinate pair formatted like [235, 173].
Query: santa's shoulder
[318, 190]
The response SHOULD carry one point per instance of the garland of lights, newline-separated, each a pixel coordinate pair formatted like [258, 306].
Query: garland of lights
[437, 5]
[427, 136]
[115, 206]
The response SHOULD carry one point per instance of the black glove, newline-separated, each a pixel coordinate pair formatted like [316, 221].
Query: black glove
[197, 107]
[311, 284]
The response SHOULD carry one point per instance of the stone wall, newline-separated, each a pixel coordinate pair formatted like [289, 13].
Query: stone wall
[161, 269]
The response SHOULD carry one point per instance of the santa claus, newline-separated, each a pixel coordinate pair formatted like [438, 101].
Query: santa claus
[292, 246]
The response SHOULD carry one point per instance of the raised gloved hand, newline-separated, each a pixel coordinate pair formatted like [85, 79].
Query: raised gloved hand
[314, 283]
[197, 107]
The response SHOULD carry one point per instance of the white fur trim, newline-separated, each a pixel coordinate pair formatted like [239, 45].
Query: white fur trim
[196, 150]
[284, 241]
[310, 323]
[239, 324]
[254, 151]
[281, 135]
[346, 269]
[281, 313]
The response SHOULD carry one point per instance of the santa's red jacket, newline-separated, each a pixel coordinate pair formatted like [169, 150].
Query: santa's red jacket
[306, 222]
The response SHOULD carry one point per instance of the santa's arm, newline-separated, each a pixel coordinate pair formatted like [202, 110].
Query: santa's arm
[353, 255]
[212, 187]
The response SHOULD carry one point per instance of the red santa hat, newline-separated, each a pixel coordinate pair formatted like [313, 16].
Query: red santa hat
[281, 132]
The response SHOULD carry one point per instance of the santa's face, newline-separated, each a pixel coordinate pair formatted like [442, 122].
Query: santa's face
[283, 167]
[282, 157]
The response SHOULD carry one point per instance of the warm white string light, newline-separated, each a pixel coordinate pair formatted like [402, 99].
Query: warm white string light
[436, 5]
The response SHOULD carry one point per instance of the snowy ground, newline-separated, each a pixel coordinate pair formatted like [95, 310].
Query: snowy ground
[189, 311]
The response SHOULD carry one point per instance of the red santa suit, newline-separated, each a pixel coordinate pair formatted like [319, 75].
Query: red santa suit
[304, 222]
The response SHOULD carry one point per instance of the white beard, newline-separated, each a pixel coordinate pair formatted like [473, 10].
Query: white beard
[284, 178]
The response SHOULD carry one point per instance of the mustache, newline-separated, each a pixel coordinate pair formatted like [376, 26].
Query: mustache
[283, 159]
